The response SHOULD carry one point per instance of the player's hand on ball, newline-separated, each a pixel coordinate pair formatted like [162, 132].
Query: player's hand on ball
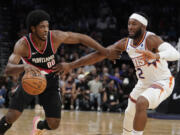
[33, 84]
[31, 68]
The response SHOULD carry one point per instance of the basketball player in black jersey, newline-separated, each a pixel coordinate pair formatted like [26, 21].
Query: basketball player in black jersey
[38, 52]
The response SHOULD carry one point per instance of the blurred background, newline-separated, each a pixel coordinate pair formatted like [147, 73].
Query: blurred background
[104, 86]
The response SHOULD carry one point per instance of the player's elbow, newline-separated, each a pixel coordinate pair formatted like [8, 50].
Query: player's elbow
[6, 71]
[83, 39]
[178, 55]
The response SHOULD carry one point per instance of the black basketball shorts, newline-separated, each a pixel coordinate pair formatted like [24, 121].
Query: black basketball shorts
[50, 99]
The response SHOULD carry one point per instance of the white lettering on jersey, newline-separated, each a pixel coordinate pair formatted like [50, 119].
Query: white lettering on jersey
[139, 61]
[43, 60]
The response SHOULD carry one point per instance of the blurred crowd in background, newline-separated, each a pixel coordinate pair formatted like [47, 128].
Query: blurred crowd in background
[101, 87]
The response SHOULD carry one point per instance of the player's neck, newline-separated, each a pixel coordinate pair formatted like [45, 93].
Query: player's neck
[38, 42]
[139, 39]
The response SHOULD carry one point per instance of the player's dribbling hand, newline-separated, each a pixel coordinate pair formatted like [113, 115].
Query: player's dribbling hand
[148, 55]
[31, 68]
[62, 68]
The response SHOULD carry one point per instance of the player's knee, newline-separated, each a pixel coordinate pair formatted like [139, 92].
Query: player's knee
[130, 110]
[142, 104]
[53, 124]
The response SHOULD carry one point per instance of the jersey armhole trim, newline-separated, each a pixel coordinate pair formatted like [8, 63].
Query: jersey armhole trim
[24, 37]
[52, 44]
[146, 48]
[126, 44]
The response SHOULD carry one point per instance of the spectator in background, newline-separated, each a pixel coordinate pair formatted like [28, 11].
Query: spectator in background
[118, 82]
[3, 91]
[124, 70]
[105, 79]
[96, 89]
[101, 23]
[89, 68]
[82, 94]
[110, 98]
[111, 21]
[105, 70]
[68, 91]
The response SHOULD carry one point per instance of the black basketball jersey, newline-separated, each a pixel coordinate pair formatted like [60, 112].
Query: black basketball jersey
[44, 60]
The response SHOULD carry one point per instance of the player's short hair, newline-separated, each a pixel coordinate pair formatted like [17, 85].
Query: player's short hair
[35, 17]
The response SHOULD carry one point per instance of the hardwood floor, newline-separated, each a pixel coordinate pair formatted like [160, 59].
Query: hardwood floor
[91, 123]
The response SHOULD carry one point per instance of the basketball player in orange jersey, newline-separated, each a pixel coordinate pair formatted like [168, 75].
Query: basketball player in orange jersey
[38, 52]
[149, 54]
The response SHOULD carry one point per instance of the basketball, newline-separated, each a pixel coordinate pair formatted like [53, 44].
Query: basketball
[34, 84]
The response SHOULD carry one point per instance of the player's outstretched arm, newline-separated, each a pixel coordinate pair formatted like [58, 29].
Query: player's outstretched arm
[90, 59]
[77, 38]
[95, 57]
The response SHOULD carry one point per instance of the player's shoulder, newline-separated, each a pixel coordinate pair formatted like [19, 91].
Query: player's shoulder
[153, 41]
[22, 43]
[54, 32]
[122, 41]
[22, 47]
[152, 37]
[59, 34]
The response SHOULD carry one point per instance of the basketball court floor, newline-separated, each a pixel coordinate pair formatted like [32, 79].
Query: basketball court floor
[91, 123]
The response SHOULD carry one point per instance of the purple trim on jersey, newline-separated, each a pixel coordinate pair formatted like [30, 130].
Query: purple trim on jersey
[127, 42]
[35, 46]
[140, 42]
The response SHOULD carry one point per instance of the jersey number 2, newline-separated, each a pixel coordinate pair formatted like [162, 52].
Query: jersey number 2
[140, 74]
